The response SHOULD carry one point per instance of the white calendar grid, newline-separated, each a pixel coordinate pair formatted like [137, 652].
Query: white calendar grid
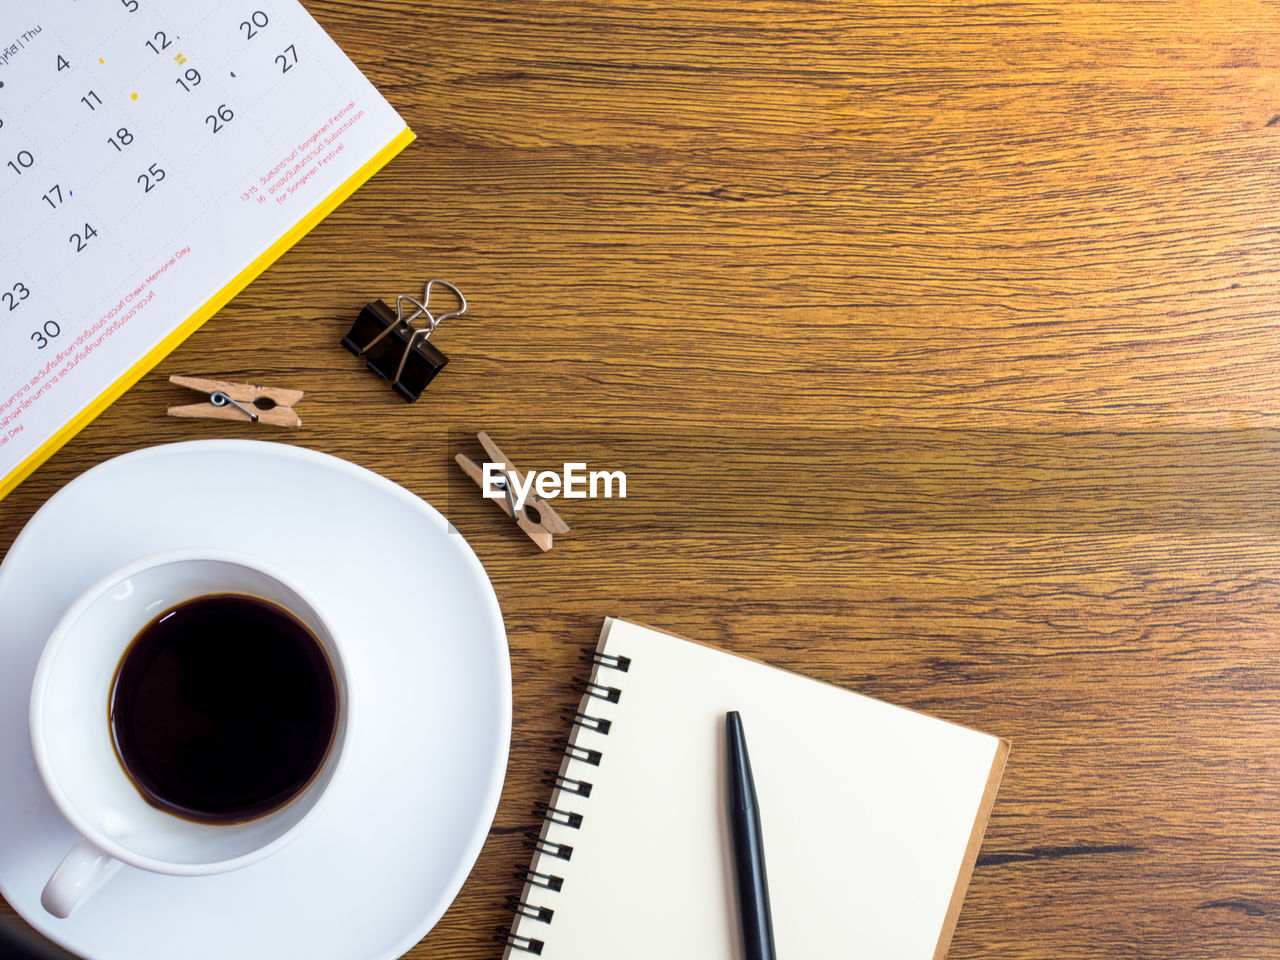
[152, 152]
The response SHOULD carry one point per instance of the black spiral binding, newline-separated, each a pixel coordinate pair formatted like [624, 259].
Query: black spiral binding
[542, 914]
[567, 748]
[561, 851]
[564, 818]
[537, 879]
[527, 944]
[568, 784]
[598, 690]
[596, 724]
[613, 661]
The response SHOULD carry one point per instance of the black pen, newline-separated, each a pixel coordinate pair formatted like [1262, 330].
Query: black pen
[748, 847]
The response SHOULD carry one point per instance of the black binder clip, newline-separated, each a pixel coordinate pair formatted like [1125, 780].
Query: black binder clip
[394, 348]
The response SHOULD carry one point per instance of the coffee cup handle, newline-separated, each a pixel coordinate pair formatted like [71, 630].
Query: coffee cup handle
[82, 873]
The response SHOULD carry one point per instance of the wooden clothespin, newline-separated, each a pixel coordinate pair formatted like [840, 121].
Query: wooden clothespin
[535, 517]
[239, 401]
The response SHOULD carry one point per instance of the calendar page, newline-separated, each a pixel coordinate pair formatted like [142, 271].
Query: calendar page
[155, 156]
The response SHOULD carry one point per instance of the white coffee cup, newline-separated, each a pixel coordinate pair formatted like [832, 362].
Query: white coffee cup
[72, 738]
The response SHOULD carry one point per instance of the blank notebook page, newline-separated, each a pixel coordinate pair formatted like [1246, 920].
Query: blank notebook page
[871, 815]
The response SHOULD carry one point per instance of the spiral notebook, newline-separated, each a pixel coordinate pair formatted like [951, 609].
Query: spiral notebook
[872, 815]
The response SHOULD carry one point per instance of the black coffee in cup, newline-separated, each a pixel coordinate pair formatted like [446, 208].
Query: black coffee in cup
[223, 708]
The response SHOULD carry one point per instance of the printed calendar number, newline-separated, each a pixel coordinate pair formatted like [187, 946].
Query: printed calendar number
[121, 140]
[221, 118]
[15, 296]
[257, 20]
[160, 38]
[288, 59]
[48, 332]
[82, 240]
[192, 79]
[54, 197]
[91, 100]
[62, 63]
[130, 5]
[151, 179]
[22, 161]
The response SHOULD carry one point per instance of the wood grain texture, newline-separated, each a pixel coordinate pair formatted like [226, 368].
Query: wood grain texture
[939, 344]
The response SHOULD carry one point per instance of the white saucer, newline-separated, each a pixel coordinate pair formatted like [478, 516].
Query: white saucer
[393, 844]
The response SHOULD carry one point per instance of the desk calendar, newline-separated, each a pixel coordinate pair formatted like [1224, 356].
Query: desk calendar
[155, 156]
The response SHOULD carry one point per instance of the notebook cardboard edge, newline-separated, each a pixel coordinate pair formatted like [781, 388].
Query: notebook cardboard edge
[985, 805]
[971, 851]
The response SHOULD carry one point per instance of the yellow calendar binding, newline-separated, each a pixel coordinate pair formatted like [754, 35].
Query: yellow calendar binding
[207, 310]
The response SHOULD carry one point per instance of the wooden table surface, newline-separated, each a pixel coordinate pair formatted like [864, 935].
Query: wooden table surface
[938, 342]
